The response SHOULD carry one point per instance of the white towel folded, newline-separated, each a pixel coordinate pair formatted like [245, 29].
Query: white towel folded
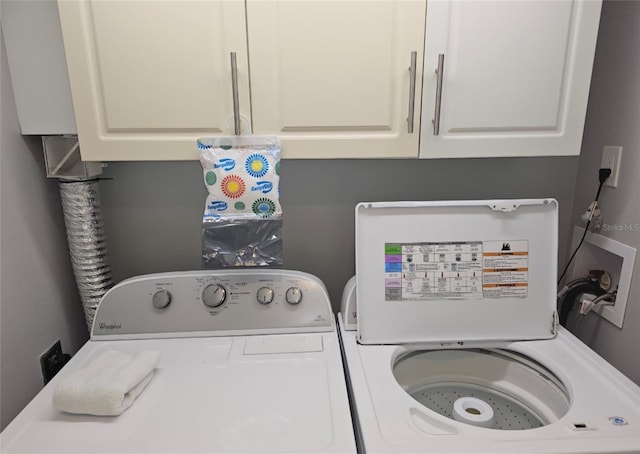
[108, 385]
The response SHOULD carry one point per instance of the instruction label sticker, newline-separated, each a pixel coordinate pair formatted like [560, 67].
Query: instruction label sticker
[429, 271]
[468, 270]
[505, 269]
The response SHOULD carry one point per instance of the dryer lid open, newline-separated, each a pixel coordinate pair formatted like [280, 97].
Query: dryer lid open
[456, 272]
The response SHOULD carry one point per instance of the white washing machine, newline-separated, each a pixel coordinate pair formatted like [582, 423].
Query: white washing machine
[249, 362]
[455, 346]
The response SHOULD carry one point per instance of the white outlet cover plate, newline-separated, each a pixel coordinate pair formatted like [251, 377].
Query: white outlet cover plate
[611, 160]
[585, 261]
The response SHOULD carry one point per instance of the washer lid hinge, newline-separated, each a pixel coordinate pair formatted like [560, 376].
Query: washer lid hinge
[554, 323]
[506, 206]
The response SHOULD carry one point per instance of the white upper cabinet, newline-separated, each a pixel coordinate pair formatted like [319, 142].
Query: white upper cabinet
[515, 77]
[331, 78]
[149, 77]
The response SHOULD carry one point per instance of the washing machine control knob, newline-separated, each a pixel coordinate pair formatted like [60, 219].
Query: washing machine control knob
[214, 295]
[161, 299]
[265, 295]
[293, 295]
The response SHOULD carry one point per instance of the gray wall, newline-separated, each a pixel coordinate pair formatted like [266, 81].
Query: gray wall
[613, 118]
[38, 298]
[153, 210]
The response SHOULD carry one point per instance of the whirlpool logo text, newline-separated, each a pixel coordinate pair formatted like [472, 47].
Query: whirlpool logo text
[109, 326]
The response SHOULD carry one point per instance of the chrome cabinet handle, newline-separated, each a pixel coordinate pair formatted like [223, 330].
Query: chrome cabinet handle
[440, 74]
[412, 91]
[234, 89]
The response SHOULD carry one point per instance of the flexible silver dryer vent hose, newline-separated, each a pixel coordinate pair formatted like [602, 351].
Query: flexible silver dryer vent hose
[87, 242]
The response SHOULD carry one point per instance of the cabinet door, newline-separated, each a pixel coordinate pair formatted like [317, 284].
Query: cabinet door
[515, 80]
[332, 78]
[149, 77]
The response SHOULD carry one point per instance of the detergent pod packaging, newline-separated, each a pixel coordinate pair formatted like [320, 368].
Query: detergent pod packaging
[242, 220]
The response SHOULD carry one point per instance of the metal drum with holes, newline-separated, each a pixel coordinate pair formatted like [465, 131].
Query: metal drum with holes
[512, 392]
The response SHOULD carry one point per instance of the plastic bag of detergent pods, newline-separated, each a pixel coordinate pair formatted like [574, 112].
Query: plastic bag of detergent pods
[242, 220]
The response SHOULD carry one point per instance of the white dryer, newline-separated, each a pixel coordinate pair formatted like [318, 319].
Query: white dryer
[249, 362]
[455, 346]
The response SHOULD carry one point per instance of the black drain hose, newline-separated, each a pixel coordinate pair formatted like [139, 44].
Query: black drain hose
[566, 306]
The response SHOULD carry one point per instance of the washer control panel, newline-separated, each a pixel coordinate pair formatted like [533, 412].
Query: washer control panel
[209, 303]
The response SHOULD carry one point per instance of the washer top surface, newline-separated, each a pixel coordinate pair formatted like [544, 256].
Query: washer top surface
[596, 408]
[547, 396]
[283, 391]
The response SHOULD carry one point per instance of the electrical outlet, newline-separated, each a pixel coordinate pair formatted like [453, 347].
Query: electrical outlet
[611, 160]
[52, 361]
